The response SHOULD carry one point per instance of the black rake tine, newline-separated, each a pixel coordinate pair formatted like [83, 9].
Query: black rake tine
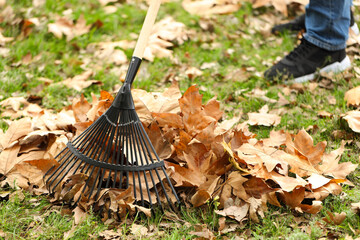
[167, 177]
[127, 154]
[136, 139]
[95, 152]
[85, 186]
[107, 152]
[121, 151]
[133, 158]
[146, 156]
[98, 147]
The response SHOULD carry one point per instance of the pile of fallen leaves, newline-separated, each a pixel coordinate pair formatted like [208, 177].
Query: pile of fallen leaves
[207, 157]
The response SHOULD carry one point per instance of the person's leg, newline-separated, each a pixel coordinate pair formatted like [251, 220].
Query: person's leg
[323, 47]
[327, 23]
[298, 24]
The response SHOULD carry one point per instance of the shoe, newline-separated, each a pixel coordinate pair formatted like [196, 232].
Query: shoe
[298, 24]
[295, 25]
[302, 64]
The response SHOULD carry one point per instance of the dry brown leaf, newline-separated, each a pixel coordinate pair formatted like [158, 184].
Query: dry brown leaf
[293, 199]
[109, 53]
[353, 119]
[205, 192]
[336, 219]
[332, 100]
[17, 130]
[355, 207]
[276, 139]
[4, 40]
[317, 181]
[14, 103]
[79, 82]
[106, 2]
[165, 102]
[193, 72]
[263, 118]
[203, 232]
[324, 114]
[8, 159]
[38, 3]
[210, 7]
[138, 230]
[303, 145]
[235, 212]
[64, 26]
[165, 33]
[79, 215]
[314, 208]
[280, 5]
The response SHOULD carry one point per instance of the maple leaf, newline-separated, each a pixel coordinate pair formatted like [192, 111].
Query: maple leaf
[303, 147]
[330, 164]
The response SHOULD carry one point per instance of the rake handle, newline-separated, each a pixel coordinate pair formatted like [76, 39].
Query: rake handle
[146, 28]
[124, 99]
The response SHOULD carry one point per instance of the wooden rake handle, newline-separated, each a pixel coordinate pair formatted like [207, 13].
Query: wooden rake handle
[146, 28]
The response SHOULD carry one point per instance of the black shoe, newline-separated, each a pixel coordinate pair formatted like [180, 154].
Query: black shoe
[304, 61]
[298, 24]
[295, 25]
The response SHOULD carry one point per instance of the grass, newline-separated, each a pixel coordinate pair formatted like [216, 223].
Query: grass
[33, 217]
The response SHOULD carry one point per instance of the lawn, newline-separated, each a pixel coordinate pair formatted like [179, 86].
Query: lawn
[224, 55]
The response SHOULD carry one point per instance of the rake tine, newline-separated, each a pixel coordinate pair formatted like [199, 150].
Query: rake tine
[85, 186]
[162, 185]
[139, 151]
[117, 149]
[145, 150]
[105, 158]
[95, 150]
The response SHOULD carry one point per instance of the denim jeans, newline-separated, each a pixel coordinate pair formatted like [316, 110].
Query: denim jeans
[327, 23]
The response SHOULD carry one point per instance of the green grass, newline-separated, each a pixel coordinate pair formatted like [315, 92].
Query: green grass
[35, 218]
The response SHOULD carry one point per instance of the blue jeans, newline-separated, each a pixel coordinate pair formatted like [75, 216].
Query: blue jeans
[327, 23]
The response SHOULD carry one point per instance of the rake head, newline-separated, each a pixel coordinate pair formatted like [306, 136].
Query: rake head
[114, 152]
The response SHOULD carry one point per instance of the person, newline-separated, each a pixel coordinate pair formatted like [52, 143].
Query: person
[323, 46]
[298, 24]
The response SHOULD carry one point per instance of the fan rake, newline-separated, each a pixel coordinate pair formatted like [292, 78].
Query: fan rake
[115, 151]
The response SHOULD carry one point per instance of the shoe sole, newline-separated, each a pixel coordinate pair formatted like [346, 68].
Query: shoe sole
[334, 67]
[355, 29]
